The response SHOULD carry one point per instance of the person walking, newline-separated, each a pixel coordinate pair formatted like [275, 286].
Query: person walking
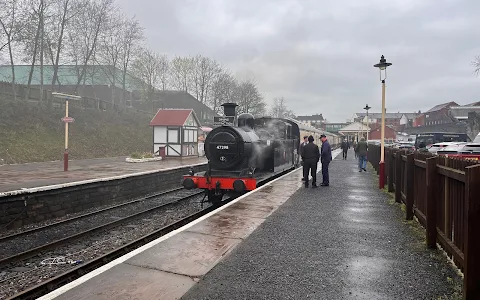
[310, 156]
[362, 149]
[355, 148]
[344, 147]
[326, 156]
[305, 142]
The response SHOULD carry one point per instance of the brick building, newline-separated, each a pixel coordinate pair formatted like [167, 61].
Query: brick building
[439, 114]
[376, 133]
[315, 120]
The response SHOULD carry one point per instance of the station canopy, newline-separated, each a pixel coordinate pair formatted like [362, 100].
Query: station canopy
[354, 128]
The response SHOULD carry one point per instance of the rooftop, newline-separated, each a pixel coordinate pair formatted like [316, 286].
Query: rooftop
[68, 75]
[172, 117]
[441, 106]
[315, 117]
[388, 115]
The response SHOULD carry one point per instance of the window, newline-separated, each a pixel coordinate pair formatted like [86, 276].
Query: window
[173, 136]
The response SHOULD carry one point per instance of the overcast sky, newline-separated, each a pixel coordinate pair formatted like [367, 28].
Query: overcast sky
[319, 55]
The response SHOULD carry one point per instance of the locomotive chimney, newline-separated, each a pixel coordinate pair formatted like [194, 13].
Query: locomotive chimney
[229, 109]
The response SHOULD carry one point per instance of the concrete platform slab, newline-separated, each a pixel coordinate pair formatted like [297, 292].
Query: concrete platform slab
[227, 225]
[187, 253]
[127, 282]
[250, 210]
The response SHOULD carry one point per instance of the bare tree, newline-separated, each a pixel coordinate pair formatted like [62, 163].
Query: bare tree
[224, 90]
[148, 68]
[280, 110]
[204, 73]
[164, 68]
[131, 36]
[83, 38]
[110, 50]
[249, 99]
[11, 23]
[476, 65]
[181, 72]
[29, 37]
[63, 13]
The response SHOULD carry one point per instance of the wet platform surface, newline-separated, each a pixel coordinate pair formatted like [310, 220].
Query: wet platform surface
[183, 259]
[16, 177]
[345, 241]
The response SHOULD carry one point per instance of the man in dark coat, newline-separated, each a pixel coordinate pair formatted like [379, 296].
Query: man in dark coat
[310, 156]
[305, 141]
[326, 157]
[345, 146]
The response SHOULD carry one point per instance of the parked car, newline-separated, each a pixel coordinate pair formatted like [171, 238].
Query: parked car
[438, 146]
[405, 145]
[462, 150]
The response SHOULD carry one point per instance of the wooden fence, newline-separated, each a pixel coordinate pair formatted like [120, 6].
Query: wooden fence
[444, 194]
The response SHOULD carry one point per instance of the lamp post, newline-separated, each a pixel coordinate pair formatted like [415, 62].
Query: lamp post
[382, 66]
[66, 120]
[368, 128]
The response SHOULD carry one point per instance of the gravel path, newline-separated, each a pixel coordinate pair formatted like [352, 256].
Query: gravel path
[345, 241]
[17, 277]
[47, 235]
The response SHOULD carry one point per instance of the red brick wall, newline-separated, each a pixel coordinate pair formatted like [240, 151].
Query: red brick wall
[376, 134]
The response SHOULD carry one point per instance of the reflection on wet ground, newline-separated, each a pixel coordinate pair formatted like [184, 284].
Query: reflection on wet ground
[341, 242]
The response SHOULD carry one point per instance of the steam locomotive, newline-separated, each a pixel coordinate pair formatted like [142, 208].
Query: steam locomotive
[245, 150]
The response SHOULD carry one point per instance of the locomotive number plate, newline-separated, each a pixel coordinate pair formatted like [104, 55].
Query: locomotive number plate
[222, 147]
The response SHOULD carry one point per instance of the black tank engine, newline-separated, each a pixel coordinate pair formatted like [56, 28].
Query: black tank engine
[243, 150]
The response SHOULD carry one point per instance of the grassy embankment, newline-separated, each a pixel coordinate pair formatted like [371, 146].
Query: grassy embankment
[30, 133]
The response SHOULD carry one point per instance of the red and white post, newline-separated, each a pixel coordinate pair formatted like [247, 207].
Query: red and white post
[66, 120]
[65, 154]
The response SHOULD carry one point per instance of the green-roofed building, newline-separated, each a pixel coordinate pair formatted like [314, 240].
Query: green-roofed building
[68, 75]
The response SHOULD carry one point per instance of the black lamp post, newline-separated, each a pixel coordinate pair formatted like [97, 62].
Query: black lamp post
[368, 128]
[382, 66]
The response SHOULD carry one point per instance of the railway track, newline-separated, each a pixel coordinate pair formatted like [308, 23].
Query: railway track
[45, 247]
[53, 283]
[69, 220]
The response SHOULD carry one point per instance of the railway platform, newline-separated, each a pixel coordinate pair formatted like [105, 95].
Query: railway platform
[33, 175]
[282, 241]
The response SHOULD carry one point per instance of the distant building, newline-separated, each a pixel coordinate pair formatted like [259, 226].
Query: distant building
[178, 100]
[316, 120]
[393, 119]
[376, 133]
[97, 82]
[334, 127]
[354, 131]
[439, 114]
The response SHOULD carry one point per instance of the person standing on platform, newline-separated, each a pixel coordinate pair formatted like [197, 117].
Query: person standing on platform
[326, 157]
[355, 148]
[362, 149]
[305, 142]
[345, 147]
[310, 156]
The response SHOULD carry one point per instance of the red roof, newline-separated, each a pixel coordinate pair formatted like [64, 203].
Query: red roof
[171, 117]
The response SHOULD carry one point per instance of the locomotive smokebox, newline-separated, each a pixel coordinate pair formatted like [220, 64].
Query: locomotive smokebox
[229, 109]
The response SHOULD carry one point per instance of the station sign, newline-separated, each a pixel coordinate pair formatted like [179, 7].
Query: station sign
[224, 121]
[68, 120]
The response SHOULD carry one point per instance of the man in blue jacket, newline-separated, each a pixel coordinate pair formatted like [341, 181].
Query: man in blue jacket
[326, 158]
